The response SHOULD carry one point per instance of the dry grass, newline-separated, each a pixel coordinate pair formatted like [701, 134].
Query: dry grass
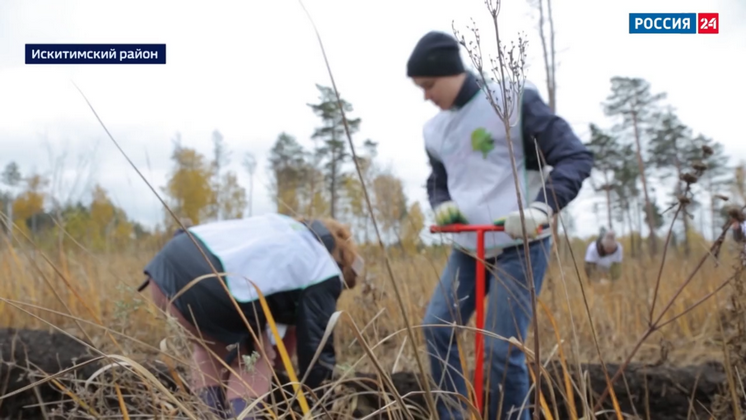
[88, 295]
[619, 310]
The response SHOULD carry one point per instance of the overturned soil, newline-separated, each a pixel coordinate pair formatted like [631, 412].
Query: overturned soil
[646, 392]
[660, 393]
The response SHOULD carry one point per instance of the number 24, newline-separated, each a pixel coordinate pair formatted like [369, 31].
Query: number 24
[713, 23]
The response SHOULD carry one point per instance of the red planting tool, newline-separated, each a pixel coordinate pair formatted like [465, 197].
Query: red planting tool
[481, 280]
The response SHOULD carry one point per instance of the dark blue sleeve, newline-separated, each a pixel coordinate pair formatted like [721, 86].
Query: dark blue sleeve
[437, 182]
[561, 148]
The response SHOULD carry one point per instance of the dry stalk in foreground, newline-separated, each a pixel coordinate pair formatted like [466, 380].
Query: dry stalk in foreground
[283, 353]
[355, 160]
[508, 70]
[731, 404]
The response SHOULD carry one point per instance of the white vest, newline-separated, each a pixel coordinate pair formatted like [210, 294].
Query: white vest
[480, 175]
[274, 251]
[592, 256]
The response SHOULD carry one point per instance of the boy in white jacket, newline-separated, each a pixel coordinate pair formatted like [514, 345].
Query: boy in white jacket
[472, 182]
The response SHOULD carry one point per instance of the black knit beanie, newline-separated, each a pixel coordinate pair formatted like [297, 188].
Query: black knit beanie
[436, 54]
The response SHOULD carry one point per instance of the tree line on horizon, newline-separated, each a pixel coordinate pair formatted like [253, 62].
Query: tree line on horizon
[645, 148]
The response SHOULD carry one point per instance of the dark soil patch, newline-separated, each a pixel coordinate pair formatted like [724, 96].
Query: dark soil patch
[29, 356]
[660, 392]
[25, 357]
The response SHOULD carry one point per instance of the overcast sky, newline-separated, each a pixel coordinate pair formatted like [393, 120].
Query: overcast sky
[248, 69]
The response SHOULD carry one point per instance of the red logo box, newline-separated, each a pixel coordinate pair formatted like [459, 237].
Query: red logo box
[708, 23]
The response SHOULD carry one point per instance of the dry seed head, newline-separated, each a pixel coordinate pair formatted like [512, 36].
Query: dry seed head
[689, 178]
[684, 200]
[699, 166]
[707, 151]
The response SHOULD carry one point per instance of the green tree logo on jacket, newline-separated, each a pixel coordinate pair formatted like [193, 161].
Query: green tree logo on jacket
[482, 141]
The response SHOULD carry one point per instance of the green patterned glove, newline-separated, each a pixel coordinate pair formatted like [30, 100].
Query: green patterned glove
[448, 214]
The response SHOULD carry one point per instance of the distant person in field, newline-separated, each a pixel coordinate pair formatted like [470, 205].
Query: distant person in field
[471, 181]
[301, 266]
[604, 257]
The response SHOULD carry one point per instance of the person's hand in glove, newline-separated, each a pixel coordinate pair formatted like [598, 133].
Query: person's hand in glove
[448, 214]
[536, 215]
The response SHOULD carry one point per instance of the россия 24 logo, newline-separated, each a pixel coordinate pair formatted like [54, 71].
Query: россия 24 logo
[674, 23]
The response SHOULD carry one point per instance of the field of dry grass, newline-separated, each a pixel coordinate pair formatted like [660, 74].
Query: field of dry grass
[93, 297]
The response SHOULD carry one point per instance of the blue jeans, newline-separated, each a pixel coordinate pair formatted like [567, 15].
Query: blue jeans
[509, 314]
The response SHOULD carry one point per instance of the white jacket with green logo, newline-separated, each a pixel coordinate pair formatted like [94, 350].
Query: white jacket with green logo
[471, 161]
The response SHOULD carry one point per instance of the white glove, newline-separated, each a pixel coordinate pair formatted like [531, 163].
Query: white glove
[536, 215]
[448, 213]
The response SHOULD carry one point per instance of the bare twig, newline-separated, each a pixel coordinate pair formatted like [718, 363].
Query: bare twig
[508, 69]
[657, 324]
[215, 272]
[394, 283]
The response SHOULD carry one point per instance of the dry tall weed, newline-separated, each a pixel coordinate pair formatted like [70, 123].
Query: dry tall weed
[36, 298]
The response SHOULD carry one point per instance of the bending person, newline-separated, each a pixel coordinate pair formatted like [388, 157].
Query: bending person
[301, 267]
[604, 256]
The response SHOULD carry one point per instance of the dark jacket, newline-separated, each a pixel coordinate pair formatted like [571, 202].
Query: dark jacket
[561, 148]
[308, 309]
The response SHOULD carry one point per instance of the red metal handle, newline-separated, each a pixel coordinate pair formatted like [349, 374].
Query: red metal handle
[461, 228]
[480, 292]
[458, 228]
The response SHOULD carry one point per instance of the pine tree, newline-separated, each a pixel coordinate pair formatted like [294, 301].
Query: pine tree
[607, 157]
[333, 150]
[626, 190]
[671, 151]
[632, 100]
[287, 163]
